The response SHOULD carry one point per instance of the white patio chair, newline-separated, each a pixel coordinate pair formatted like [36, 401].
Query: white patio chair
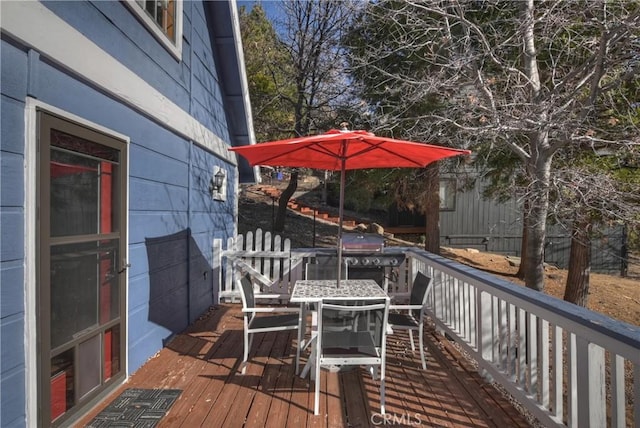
[287, 320]
[352, 344]
[411, 317]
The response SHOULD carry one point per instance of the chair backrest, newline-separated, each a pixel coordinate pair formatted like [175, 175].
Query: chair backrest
[353, 327]
[246, 286]
[419, 293]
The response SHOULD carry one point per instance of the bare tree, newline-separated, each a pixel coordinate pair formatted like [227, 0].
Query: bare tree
[584, 195]
[525, 76]
[311, 34]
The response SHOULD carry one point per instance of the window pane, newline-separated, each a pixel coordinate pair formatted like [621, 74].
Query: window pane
[163, 13]
[83, 188]
[448, 194]
[76, 269]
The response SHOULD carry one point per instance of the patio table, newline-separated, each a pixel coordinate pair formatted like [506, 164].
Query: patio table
[310, 291]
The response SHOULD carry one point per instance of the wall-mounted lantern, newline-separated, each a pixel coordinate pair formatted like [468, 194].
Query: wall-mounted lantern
[216, 185]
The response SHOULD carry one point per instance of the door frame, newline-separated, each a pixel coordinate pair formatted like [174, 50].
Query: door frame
[32, 375]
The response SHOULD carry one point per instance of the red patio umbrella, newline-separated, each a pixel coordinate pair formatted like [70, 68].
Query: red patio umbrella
[341, 150]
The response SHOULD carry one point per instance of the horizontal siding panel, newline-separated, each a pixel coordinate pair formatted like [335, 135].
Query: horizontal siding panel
[11, 179]
[12, 289]
[144, 225]
[202, 248]
[11, 125]
[154, 166]
[11, 234]
[205, 88]
[148, 134]
[139, 293]
[205, 80]
[219, 223]
[145, 340]
[138, 260]
[12, 405]
[154, 196]
[213, 117]
[12, 342]
[13, 72]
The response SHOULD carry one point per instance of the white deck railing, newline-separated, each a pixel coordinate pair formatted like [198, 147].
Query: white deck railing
[567, 365]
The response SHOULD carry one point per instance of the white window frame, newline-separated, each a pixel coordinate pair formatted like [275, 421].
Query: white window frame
[175, 48]
[448, 189]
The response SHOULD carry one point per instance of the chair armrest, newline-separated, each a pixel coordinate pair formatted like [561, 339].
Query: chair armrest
[271, 296]
[255, 275]
[405, 307]
[400, 296]
[271, 310]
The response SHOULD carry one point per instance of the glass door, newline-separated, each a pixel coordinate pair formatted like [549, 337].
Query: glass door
[81, 295]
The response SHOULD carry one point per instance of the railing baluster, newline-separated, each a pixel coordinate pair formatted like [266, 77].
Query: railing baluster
[504, 335]
[543, 376]
[532, 354]
[617, 392]
[557, 372]
[513, 344]
[590, 381]
[572, 387]
[522, 348]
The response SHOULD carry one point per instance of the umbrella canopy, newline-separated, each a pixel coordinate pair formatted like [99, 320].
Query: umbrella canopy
[342, 150]
[345, 150]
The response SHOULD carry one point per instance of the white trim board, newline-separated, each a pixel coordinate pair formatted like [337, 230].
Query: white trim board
[36, 26]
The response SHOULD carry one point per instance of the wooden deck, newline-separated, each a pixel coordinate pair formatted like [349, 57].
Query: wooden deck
[204, 363]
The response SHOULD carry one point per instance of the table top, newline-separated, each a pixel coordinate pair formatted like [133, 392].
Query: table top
[314, 290]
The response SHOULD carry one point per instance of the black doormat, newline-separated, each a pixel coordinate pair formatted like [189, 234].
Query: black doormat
[136, 408]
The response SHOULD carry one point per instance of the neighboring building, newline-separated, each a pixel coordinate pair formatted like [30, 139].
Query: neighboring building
[469, 220]
[116, 117]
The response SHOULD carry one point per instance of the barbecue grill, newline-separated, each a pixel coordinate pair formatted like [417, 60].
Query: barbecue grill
[366, 250]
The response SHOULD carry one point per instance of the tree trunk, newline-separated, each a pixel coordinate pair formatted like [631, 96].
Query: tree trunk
[537, 217]
[525, 235]
[538, 165]
[577, 287]
[432, 208]
[284, 200]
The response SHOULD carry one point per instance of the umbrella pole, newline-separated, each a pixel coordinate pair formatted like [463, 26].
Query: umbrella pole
[340, 217]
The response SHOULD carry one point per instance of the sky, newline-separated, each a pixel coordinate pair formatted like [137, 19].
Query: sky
[270, 6]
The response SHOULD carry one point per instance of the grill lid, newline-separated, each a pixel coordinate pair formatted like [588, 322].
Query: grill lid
[362, 242]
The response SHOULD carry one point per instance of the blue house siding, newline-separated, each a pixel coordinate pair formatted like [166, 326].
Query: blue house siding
[13, 84]
[172, 218]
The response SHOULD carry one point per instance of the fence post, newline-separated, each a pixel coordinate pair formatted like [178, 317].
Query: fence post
[217, 269]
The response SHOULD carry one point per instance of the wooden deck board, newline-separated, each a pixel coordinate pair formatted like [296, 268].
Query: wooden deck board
[204, 362]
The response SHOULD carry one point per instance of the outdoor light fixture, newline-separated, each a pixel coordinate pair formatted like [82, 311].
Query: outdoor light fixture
[216, 184]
